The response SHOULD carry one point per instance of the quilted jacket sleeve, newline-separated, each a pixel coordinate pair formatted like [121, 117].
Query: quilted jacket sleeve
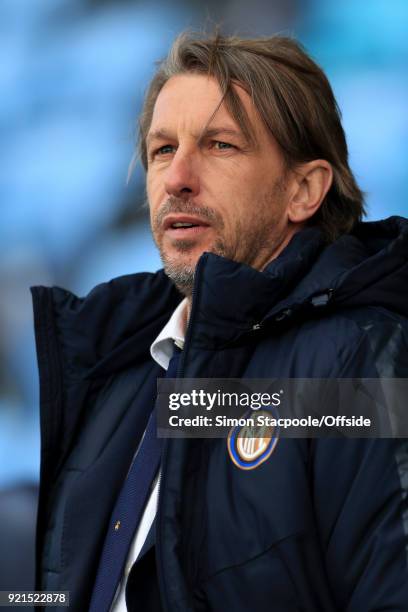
[361, 494]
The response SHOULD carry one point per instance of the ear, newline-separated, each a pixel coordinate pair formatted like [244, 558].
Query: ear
[311, 183]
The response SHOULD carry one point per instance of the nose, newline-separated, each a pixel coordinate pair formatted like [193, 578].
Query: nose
[182, 178]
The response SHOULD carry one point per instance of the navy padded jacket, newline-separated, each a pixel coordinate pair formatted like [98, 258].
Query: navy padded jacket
[322, 525]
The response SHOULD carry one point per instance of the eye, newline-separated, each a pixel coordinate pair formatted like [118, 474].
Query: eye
[165, 149]
[220, 145]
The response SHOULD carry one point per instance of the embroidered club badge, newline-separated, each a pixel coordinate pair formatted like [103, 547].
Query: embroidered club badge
[250, 446]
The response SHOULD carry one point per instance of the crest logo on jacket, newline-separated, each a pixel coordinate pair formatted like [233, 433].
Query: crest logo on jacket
[250, 446]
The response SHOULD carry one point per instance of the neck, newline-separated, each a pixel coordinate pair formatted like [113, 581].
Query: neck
[292, 230]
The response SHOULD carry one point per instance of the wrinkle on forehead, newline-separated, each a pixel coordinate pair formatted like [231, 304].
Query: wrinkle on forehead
[190, 104]
[195, 111]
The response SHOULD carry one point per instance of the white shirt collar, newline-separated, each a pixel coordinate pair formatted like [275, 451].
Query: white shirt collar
[172, 333]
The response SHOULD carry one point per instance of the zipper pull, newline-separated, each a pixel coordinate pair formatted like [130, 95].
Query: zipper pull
[322, 299]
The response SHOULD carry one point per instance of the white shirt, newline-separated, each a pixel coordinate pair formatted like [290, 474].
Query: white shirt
[161, 350]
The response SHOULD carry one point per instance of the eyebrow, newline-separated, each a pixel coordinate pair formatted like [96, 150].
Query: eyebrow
[216, 131]
[162, 134]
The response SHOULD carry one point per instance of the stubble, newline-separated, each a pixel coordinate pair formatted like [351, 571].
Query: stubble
[251, 244]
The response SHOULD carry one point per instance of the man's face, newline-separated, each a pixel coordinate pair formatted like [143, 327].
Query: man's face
[208, 189]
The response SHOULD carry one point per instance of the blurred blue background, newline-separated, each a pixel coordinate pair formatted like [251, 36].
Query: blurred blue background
[72, 78]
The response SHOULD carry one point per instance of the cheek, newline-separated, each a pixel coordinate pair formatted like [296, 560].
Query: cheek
[236, 203]
[154, 193]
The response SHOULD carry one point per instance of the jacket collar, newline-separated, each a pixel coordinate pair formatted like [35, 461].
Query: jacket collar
[113, 327]
[231, 299]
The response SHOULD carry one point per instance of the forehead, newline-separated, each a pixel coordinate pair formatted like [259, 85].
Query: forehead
[188, 101]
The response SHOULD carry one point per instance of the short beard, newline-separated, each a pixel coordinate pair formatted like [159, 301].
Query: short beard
[183, 275]
[253, 247]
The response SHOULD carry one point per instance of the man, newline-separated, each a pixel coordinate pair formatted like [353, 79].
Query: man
[268, 272]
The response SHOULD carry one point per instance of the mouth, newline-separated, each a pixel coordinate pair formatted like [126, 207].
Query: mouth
[184, 226]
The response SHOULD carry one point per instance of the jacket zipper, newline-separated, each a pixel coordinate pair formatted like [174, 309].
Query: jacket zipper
[180, 374]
